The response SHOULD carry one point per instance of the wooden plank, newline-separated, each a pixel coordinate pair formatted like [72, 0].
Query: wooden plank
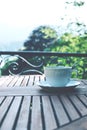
[3, 80]
[84, 81]
[19, 81]
[5, 107]
[79, 105]
[59, 110]
[83, 98]
[36, 79]
[1, 100]
[72, 113]
[7, 81]
[80, 124]
[18, 91]
[12, 83]
[25, 81]
[48, 114]
[22, 123]
[36, 117]
[42, 77]
[10, 118]
[31, 80]
[35, 90]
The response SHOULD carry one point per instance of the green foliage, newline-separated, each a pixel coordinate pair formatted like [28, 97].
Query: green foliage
[68, 43]
[6, 64]
[41, 38]
[76, 3]
[72, 44]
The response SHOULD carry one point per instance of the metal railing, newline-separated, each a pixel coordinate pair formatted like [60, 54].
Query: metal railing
[27, 62]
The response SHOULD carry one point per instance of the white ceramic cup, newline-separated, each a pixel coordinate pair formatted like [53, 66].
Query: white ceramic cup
[57, 76]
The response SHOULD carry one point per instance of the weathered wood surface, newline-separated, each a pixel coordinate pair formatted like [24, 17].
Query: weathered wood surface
[80, 124]
[27, 85]
[40, 112]
[25, 106]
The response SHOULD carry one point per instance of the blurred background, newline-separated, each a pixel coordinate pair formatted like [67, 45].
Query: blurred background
[44, 25]
[18, 18]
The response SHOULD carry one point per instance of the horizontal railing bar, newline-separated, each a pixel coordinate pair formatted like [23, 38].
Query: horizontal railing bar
[42, 53]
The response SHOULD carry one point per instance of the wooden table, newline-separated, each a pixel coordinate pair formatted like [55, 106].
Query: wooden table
[26, 106]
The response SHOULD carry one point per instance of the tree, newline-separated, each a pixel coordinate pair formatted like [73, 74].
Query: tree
[41, 38]
[72, 20]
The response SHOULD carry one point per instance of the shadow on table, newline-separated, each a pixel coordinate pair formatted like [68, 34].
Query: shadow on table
[80, 124]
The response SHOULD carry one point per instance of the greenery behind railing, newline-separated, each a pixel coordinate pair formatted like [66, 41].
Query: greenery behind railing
[27, 62]
[43, 49]
[70, 41]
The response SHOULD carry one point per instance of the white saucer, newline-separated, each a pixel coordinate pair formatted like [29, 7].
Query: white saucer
[45, 84]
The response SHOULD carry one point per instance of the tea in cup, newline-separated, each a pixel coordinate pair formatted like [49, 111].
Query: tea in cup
[57, 76]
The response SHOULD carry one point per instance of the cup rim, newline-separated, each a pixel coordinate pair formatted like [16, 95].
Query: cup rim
[57, 67]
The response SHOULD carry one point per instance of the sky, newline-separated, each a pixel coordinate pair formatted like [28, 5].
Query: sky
[19, 17]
